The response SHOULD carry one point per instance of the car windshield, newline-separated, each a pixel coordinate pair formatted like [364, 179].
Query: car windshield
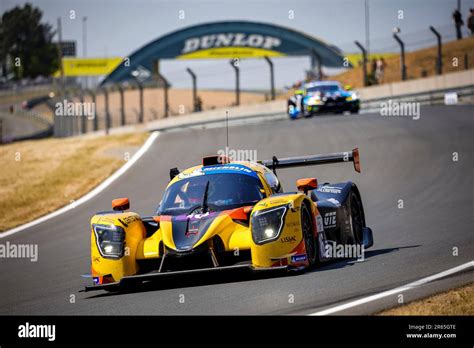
[322, 89]
[225, 191]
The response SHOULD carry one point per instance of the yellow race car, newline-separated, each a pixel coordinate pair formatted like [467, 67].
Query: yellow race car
[225, 215]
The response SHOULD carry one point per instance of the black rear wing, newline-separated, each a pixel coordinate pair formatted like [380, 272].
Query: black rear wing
[348, 156]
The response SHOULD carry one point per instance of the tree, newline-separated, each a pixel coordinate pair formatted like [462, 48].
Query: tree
[27, 44]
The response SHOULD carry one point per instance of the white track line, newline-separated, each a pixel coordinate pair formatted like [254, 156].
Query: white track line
[92, 193]
[396, 290]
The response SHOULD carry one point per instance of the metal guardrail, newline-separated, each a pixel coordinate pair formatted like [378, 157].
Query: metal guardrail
[66, 126]
[38, 135]
[32, 114]
[424, 98]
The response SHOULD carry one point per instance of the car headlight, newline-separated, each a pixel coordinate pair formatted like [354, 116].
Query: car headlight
[110, 240]
[353, 96]
[267, 224]
[314, 100]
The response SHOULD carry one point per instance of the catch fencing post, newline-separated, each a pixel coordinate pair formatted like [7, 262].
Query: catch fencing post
[83, 117]
[272, 77]
[364, 62]
[136, 76]
[402, 56]
[141, 117]
[68, 118]
[166, 86]
[439, 61]
[122, 104]
[107, 110]
[235, 64]
[316, 64]
[96, 117]
[193, 76]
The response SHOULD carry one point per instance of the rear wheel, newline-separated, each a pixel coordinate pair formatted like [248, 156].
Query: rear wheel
[356, 218]
[308, 235]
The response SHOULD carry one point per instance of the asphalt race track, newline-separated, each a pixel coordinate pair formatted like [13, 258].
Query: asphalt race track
[401, 158]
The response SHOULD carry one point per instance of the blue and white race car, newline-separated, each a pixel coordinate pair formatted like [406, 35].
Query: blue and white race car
[323, 97]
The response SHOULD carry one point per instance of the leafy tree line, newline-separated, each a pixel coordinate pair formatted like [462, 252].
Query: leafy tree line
[26, 46]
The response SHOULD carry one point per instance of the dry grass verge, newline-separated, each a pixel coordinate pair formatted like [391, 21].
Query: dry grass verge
[40, 176]
[454, 302]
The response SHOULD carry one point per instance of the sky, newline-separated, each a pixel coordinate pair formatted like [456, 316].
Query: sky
[119, 27]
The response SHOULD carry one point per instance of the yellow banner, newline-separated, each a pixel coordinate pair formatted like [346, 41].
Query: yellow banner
[231, 52]
[88, 66]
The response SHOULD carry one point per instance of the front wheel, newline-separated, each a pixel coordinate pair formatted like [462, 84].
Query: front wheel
[308, 235]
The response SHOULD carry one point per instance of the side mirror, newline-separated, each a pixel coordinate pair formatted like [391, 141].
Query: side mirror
[356, 156]
[306, 184]
[173, 173]
[121, 204]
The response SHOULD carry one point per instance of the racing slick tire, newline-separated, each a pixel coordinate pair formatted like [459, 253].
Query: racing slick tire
[357, 218]
[308, 236]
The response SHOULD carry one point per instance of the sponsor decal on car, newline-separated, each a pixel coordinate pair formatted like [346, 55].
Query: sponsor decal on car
[198, 216]
[298, 258]
[319, 223]
[105, 220]
[329, 189]
[129, 219]
[334, 201]
[229, 168]
[193, 228]
[330, 219]
[195, 172]
[288, 239]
